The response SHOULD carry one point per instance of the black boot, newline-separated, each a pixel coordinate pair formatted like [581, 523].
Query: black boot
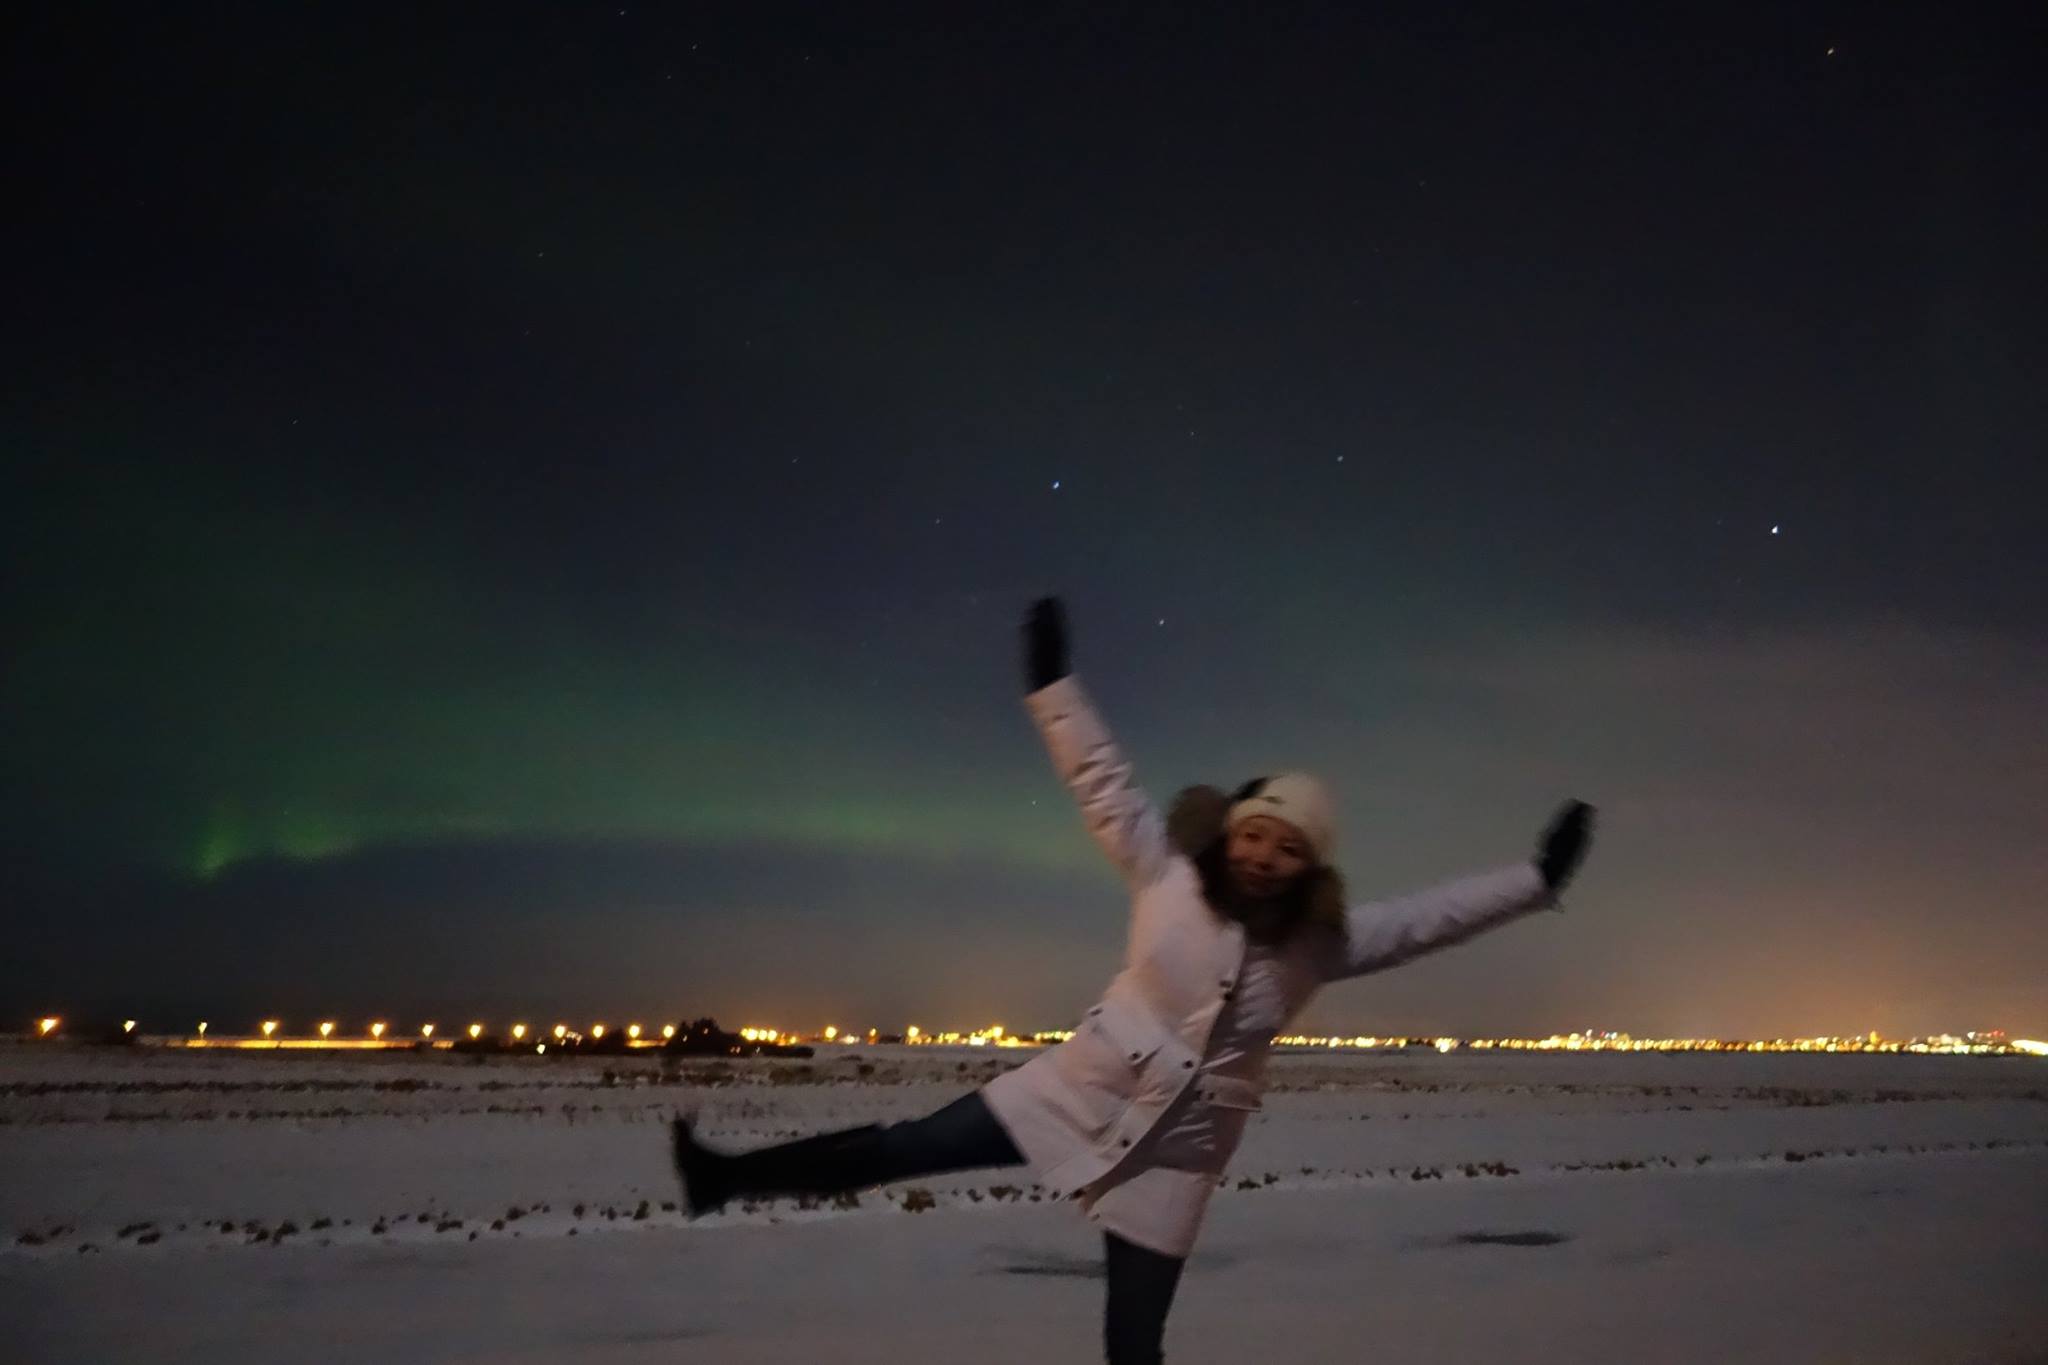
[825, 1164]
[702, 1171]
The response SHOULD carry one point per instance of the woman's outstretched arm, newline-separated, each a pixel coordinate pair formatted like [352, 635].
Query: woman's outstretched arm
[1383, 934]
[1117, 811]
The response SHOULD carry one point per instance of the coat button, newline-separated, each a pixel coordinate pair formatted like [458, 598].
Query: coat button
[1187, 1065]
[1136, 1056]
[1123, 1142]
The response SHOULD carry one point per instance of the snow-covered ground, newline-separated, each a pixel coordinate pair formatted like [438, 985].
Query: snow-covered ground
[394, 1208]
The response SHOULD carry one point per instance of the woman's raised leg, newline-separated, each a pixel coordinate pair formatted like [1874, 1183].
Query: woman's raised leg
[964, 1135]
[1141, 1285]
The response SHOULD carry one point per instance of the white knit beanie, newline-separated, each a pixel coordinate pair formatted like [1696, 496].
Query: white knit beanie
[1298, 799]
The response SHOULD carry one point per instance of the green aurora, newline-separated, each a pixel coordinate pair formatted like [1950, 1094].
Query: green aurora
[238, 688]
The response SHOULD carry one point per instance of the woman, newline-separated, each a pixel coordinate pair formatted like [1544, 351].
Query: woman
[1237, 918]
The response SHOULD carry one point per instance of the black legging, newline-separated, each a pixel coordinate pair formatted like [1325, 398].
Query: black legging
[1141, 1285]
[964, 1136]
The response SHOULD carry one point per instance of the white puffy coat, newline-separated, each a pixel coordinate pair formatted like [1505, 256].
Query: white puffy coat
[1090, 1113]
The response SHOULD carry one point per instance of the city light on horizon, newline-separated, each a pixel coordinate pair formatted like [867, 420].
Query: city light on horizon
[325, 1033]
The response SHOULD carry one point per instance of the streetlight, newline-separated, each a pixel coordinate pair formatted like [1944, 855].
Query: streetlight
[561, 1032]
[831, 1032]
[127, 1026]
[476, 1031]
[269, 1027]
[202, 1028]
[327, 1028]
[668, 1030]
[426, 1030]
[597, 1030]
[377, 1029]
[48, 1026]
[518, 1032]
[633, 1031]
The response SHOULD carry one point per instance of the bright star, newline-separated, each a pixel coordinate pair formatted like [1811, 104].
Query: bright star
[1055, 485]
[1774, 530]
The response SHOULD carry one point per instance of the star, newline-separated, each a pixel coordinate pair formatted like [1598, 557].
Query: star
[1774, 530]
[1055, 485]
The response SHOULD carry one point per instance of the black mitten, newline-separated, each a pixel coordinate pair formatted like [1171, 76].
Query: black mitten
[1045, 644]
[1564, 842]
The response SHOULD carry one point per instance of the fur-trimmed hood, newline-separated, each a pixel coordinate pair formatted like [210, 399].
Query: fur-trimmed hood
[1194, 824]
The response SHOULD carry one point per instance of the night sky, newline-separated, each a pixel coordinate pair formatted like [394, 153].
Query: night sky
[526, 508]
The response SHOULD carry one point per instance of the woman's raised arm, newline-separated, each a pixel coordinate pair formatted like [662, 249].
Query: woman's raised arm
[1382, 934]
[1118, 814]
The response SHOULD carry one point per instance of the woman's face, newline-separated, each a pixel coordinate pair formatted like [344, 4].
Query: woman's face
[1266, 856]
